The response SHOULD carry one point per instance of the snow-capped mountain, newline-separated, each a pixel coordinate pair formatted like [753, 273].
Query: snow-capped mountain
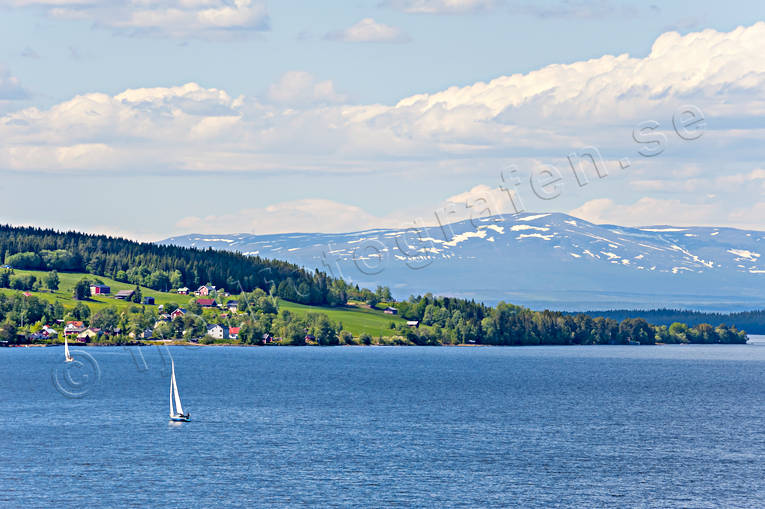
[538, 260]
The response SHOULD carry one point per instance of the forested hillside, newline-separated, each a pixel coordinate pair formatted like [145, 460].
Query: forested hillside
[163, 267]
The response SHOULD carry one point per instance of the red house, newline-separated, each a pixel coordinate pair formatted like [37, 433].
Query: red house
[206, 303]
[205, 290]
[178, 312]
[233, 332]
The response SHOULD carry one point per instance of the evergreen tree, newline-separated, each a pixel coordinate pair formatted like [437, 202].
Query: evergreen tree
[137, 298]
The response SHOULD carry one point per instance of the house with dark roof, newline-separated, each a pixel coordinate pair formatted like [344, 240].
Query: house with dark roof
[100, 290]
[217, 331]
[205, 290]
[89, 334]
[125, 294]
[178, 312]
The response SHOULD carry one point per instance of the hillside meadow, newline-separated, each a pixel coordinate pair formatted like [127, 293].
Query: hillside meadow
[355, 318]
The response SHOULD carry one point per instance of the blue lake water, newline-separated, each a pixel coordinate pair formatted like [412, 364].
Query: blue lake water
[664, 426]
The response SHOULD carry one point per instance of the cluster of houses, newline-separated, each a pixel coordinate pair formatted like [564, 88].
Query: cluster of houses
[101, 290]
[74, 329]
[216, 331]
[81, 334]
[202, 291]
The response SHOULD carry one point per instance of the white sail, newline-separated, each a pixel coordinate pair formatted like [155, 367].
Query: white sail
[172, 386]
[176, 396]
[66, 350]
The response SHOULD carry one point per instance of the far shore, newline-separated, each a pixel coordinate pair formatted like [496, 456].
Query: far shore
[243, 345]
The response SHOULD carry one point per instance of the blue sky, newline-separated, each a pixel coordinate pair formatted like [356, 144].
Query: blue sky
[157, 117]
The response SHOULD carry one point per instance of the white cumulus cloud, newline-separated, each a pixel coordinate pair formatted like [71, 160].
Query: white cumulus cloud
[164, 18]
[300, 88]
[10, 87]
[369, 30]
[442, 6]
[308, 215]
[302, 124]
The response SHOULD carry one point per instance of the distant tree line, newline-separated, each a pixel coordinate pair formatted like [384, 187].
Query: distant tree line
[751, 321]
[455, 321]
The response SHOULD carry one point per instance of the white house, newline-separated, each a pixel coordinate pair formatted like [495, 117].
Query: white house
[217, 331]
[49, 331]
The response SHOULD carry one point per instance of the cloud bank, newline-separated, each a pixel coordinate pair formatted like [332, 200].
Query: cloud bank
[163, 18]
[442, 6]
[302, 124]
[550, 109]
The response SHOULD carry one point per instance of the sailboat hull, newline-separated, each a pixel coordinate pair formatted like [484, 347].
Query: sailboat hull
[180, 418]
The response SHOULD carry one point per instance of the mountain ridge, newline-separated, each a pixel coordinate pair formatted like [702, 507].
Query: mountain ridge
[541, 260]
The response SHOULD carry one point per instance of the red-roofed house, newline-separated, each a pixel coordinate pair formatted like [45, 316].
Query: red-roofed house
[73, 328]
[178, 312]
[206, 303]
[233, 332]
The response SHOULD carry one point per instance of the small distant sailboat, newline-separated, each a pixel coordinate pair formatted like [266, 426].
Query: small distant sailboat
[176, 414]
[67, 355]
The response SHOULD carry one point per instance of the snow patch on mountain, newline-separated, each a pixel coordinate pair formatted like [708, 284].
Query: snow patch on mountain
[744, 254]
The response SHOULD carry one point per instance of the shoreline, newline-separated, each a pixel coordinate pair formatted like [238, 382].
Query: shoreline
[240, 345]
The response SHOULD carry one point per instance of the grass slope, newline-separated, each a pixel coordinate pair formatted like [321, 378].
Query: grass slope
[356, 320]
[68, 280]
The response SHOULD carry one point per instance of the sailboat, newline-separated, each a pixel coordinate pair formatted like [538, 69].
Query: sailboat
[177, 413]
[67, 355]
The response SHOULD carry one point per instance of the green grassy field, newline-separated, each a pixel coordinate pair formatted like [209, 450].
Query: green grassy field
[356, 320]
[68, 280]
